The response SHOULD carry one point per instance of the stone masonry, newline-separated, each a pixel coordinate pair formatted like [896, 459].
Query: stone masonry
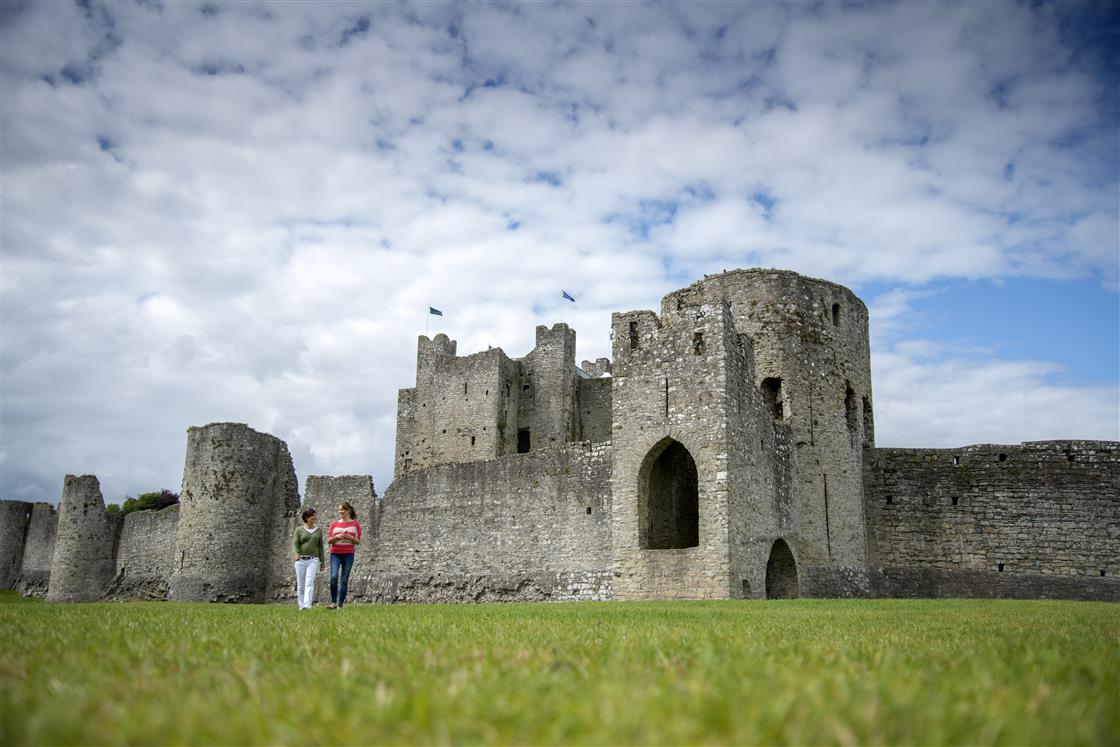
[726, 450]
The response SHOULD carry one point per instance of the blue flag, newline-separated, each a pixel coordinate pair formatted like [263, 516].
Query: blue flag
[434, 311]
[567, 296]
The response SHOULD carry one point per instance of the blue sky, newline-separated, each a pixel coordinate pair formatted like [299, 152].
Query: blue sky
[242, 211]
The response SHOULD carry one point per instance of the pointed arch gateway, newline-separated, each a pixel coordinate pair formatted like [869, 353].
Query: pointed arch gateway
[668, 498]
[781, 573]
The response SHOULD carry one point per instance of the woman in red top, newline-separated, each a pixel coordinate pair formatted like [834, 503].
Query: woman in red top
[343, 536]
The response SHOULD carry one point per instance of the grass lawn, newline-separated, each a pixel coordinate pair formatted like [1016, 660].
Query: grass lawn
[793, 672]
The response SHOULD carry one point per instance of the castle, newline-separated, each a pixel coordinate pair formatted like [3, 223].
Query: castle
[726, 450]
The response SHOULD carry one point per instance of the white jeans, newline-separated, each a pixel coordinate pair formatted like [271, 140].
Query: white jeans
[305, 581]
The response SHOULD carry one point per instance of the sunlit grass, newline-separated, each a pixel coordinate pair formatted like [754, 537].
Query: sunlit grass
[796, 672]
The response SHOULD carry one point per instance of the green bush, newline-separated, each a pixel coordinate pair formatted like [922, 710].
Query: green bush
[156, 500]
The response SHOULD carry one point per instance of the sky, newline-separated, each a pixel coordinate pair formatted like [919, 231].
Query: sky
[242, 212]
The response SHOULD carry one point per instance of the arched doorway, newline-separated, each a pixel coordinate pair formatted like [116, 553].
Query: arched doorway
[668, 498]
[781, 573]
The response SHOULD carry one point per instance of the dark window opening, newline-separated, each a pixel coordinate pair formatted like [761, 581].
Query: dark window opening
[1102, 572]
[464, 387]
[851, 413]
[523, 441]
[1069, 457]
[524, 387]
[781, 573]
[589, 510]
[956, 500]
[835, 315]
[697, 343]
[1001, 567]
[1003, 457]
[472, 440]
[868, 423]
[772, 396]
[633, 335]
[668, 499]
[956, 460]
[746, 588]
[487, 392]
[444, 431]
[890, 499]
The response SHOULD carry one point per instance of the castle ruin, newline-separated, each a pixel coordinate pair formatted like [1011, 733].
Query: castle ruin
[726, 450]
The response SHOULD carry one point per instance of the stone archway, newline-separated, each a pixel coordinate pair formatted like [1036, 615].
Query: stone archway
[668, 498]
[781, 573]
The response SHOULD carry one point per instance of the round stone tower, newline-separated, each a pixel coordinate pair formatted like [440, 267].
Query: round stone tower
[813, 366]
[82, 567]
[237, 483]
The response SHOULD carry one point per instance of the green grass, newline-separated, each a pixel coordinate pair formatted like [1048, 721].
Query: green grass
[796, 672]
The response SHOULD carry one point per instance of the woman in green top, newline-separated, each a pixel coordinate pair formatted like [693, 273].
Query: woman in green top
[307, 545]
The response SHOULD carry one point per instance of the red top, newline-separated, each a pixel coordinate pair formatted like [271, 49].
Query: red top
[343, 527]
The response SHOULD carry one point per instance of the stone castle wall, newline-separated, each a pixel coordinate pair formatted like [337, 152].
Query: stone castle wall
[145, 557]
[38, 551]
[726, 451]
[521, 527]
[1036, 520]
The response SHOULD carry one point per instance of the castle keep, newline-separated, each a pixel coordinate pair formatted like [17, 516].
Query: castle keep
[726, 450]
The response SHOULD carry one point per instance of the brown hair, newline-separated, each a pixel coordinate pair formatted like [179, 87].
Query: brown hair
[350, 510]
[306, 513]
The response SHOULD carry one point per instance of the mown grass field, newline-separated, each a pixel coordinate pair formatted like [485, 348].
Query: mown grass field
[793, 672]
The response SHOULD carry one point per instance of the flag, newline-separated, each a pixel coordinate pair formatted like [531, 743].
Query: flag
[434, 311]
[567, 296]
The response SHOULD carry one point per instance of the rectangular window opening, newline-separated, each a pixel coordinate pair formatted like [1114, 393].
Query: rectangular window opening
[956, 500]
[772, 396]
[835, 315]
[633, 335]
[1003, 457]
[890, 499]
[589, 512]
[697, 343]
[956, 460]
[523, 441]
[1001, 567]
[472, 440]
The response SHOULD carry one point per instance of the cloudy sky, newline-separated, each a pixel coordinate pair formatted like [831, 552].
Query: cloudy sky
[242, 212]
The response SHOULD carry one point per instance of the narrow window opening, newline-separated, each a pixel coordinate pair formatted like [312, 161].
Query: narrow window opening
[746, 588]
[1102, 572]
[1001, 567]
[956, 500]
[487, 392]
[589, 510]
[464, 387]
[956, 460]
[868, 423]
[1003, 457]
[1069, 457]
[835, 315]
[697, 343]
[523, 441]
[772, 396]
[472, 440]
[890, 500]
[851, 412]
[633, 335]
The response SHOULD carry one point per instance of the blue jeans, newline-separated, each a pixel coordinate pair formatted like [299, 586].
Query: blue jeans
[345, 562]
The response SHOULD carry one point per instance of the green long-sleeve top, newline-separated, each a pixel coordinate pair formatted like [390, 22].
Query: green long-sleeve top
[308, 543]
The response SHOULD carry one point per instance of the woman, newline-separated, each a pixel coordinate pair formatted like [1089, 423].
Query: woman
[307, 545]
[344, 535]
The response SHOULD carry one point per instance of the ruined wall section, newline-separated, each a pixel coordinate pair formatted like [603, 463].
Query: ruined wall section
[324, 494]
[38, 551]
[519, 528]
[238, 485]
[550, 374]
[811, 336]
[671, 386]
[15, 519]
[1036, 520]
[82, 566]
[594, 409]
[460, 410]
[145, 555]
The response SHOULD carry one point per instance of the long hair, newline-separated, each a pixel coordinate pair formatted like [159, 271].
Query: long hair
[350, 510]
